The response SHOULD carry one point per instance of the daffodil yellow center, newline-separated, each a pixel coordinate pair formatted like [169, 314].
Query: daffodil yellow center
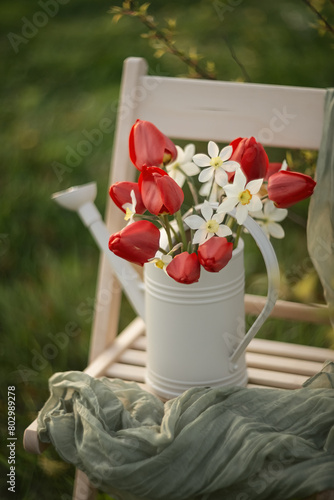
[212, 226]
[128, 214]
[216, 162]
[245, 197]
[159, 263]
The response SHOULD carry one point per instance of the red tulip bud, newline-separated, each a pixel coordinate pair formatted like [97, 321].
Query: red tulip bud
[120, 193]
[273, 168]
[149, 147]
[251, 156]
[285, 188]
[184, 268]
[159, 192]
[215, 253]
[138, 242]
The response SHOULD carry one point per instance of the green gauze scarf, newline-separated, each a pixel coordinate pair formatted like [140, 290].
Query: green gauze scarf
[227, 443]
[320, 226]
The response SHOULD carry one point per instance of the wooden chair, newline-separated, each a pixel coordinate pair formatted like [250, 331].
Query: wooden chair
[288, 117]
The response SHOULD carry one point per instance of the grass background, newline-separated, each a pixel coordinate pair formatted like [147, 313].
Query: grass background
[60, 80]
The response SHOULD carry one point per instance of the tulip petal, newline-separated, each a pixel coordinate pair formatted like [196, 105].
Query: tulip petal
[184, 268]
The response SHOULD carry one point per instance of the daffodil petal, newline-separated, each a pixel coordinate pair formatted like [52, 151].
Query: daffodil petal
[194, 221]
[227, 204]
[206, 210]
[254, 204]
[221, 177]
[223, 231]
[241, 213]
[231, 166]
[190, 168]
[213, 149]
[239, 180]
[231, 190]
[199, 236]
[206, 174]
[226, 153]
[254, 186]
[275, 230]
[201, 160]
[279, 214]
[189, 152]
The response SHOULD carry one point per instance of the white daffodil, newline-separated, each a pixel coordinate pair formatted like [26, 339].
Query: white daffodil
[269, 218]
[208, 225]
[183, 166]
[211, 193]
[130, 208]
[242, 195]
[217, 164]
[161, 260]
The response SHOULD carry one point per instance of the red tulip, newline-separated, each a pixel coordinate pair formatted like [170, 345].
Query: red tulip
[215, 253]
[120, 193]
[159, 192]
[273, 168]
[184, 268]
[285, 188]
[138, 242]
[149, 147]
[251, 156]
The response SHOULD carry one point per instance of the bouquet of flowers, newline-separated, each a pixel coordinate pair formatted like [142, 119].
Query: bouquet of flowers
[238, 179]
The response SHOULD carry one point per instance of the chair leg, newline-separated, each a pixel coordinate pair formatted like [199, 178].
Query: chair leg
[83, 490]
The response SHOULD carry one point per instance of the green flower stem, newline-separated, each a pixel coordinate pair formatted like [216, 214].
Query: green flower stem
[167, 227]
[179, 221]
[237, 236]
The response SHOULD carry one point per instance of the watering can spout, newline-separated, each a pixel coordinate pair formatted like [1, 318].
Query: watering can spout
[81, 200]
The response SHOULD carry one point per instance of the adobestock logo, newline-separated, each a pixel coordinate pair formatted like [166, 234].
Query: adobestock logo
[31, 27]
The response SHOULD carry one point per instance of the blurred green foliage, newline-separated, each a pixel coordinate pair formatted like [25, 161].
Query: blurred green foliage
[60, 78]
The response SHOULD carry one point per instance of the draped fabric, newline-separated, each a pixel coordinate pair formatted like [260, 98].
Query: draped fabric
[227, 443]
[320, 226]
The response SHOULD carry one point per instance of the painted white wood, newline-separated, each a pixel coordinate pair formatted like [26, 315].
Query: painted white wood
[289, 310]
[31, 443]
[275, 379]
[125, 339]
[126, 372]
[281, 116]
[83, 490]
[288, 350]
[283, 364]
[105, 323]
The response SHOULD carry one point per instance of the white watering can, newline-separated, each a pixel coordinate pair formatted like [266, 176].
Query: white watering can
[195, 333]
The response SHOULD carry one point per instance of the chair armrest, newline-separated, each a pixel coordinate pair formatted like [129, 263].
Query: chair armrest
[31, 442]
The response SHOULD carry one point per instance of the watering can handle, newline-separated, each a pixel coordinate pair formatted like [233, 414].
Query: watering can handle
[271, 263]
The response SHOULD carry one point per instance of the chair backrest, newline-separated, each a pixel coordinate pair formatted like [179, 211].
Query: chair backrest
[277, 116]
